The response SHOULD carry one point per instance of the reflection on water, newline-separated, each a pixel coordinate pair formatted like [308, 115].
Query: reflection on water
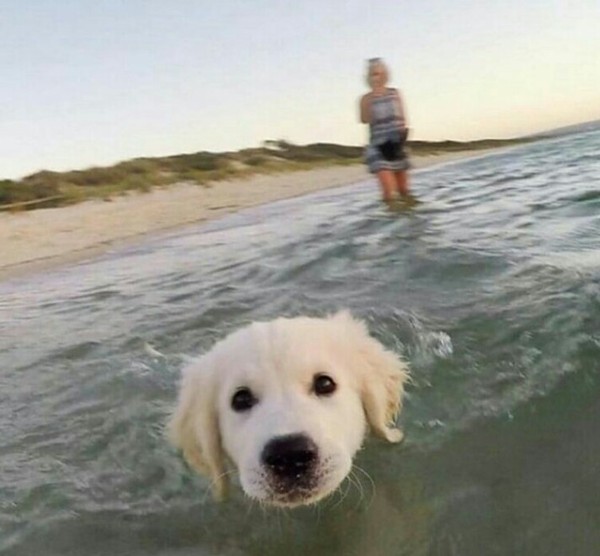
[489, 286]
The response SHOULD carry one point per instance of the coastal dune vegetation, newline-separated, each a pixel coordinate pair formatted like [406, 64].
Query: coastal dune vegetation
[50, 189]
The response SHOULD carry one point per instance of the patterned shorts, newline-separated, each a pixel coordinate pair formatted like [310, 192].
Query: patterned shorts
[376, 162]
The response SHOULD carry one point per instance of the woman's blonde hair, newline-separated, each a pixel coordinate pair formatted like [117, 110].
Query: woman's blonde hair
[373, 63]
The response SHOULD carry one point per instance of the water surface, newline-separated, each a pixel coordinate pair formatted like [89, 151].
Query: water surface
[490, 288]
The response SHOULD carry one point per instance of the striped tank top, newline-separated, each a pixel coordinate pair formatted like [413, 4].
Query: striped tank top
[386, 119]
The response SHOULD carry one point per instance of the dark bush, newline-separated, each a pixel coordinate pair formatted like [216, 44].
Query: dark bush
[203, 161]
[20, 192]
[95, 176]
[139, 166]
[331, 150]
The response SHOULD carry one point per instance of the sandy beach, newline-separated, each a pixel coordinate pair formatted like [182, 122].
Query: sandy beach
[44, 238]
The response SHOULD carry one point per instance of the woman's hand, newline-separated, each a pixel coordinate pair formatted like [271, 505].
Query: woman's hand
[403, 134]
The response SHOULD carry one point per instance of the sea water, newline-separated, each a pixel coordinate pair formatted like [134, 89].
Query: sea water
[489, 287]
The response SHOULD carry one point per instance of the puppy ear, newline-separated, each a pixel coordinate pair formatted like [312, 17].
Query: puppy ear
[194, 425]
[382, 375]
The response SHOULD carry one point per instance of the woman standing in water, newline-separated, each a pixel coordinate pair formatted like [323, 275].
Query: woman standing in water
[382, 109]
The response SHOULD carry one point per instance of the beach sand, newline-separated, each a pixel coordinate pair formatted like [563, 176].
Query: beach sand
[45, 238]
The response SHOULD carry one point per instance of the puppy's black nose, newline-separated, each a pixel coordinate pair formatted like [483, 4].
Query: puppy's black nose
[290, 456]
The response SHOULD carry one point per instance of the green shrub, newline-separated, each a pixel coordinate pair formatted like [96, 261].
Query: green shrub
[256, 160]
[139, 166]
[94, 177]
[20, 192]
[203, 161]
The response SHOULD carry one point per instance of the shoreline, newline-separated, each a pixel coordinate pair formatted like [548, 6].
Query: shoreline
[48, 238]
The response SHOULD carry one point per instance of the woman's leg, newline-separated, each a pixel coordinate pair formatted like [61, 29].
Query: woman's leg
[388, 184]
[402, 183]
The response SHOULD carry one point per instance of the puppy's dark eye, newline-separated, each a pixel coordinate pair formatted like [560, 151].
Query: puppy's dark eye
[324, 385]
[243, 400]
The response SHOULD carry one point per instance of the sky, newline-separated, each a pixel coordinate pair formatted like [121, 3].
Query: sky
[90, 83]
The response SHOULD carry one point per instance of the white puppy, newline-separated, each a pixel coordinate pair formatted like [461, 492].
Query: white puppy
[287, 404]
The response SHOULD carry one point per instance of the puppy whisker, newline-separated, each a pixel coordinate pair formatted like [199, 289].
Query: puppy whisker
[251, 506]
[359, 487]
[214, 481]
[343, 496]
[373, 488]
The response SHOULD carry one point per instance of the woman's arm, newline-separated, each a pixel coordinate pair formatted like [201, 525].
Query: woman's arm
[365, 109]
[400, 108]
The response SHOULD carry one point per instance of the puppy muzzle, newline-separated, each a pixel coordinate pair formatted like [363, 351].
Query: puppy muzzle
[292, 464]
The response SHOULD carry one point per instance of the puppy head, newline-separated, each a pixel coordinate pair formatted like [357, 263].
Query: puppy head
[287, 403]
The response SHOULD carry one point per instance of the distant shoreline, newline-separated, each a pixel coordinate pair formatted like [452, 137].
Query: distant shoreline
[46, 189]
[37, 240]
